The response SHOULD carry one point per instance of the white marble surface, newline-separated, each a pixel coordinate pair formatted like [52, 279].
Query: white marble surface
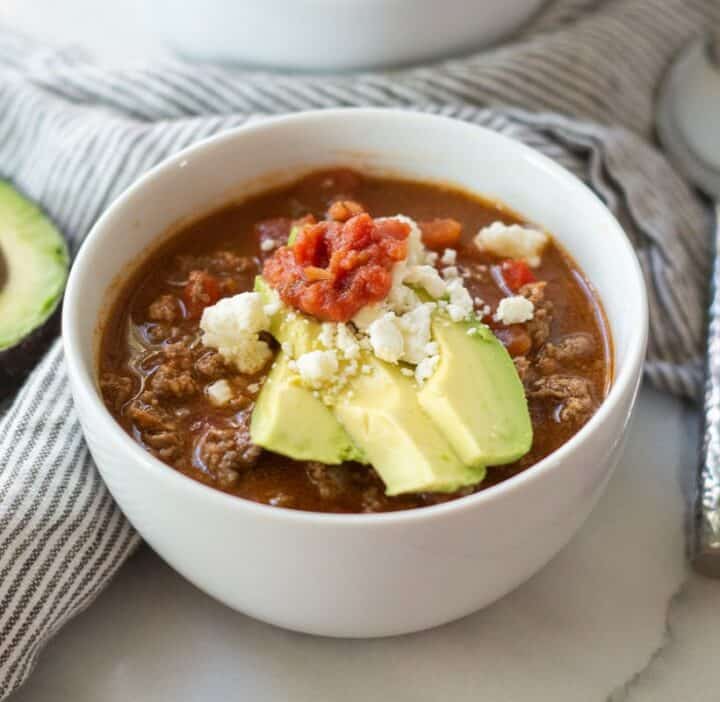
[614, 617]
[591, 626]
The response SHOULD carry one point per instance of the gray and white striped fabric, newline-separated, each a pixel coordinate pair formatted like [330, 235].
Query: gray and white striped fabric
[577, 84]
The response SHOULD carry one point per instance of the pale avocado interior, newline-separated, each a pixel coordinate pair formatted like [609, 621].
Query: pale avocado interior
[35, 265]
[472, 413]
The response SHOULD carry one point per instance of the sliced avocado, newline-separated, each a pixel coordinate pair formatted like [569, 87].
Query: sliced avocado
[287, 418]
[33, 270]
[475, 396]
[381, 414]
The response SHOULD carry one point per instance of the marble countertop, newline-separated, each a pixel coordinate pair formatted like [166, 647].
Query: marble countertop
[615, 616]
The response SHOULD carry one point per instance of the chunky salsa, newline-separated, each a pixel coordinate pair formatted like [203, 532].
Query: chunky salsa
[334, 268]
[157, 376]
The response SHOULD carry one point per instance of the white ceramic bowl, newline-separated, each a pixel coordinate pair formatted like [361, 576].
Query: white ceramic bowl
[359, 575]
[332, 35]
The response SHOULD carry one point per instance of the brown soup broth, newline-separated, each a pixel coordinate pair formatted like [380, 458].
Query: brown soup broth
[154, 369]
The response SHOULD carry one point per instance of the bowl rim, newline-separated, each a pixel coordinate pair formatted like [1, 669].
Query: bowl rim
[626, 380]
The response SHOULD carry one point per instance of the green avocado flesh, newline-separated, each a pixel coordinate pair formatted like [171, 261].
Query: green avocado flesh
[35, 267]
[381, 413]
[475, 396]
[470, 414]
[288, 419]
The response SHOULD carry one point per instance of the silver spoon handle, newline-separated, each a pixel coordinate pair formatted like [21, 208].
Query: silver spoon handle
[706, 543]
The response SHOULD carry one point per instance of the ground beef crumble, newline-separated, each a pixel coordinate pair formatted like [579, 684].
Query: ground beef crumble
[573, 394]
[116, 389]
[225, 452]
[165, 309]
[327, 479]
[568, 351]
[539, 326]
[212, 366]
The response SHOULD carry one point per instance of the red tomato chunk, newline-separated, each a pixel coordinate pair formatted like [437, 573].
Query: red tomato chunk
[335, 268]
[201, 291]
[440, 233]
[517, 274]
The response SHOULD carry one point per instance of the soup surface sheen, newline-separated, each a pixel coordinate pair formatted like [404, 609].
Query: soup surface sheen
[154, 370]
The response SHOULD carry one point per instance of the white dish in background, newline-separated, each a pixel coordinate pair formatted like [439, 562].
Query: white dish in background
[332, 35]
[378, 574]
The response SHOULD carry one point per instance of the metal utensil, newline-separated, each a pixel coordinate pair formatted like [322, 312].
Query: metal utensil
[688, 122]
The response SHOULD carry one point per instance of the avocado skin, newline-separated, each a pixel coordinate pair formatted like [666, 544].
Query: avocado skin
[17, 361]
[19, 357]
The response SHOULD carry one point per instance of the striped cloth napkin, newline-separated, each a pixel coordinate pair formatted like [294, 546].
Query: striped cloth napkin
[578, 83]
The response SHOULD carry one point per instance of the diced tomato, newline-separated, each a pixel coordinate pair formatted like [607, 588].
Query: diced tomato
[517, 274]
[333, 269]
[201, 291]
[315, 273]
[440, 233]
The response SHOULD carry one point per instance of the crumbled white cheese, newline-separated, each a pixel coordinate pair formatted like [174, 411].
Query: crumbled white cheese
[432, 348]
[327, 334]
[449, 257]
[249, 354]
[240, 313]
[367, 315]
[386, 338]
[416, 249]
[272, 308]
[267, 245]
[219, 393]
[401, 298]
[317, 367]
[460, 305]
[415, 329]
[415, 269]
[253, 387]
[512, 241]
[232, 325]
[428, 278]
[399, 328]
[426, 368]
[514, 310]
[346, 342]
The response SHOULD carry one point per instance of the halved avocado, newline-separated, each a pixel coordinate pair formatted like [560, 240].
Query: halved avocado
[33, 270]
